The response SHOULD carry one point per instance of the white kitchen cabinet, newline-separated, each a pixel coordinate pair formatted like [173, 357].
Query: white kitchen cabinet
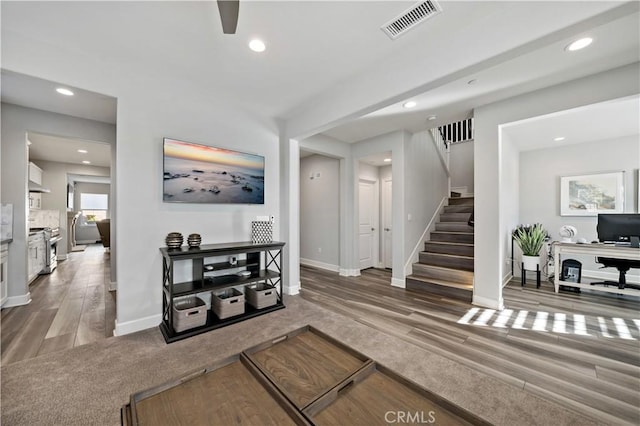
[4, 263]
[35, 174]
[35, 201]
[37, 252]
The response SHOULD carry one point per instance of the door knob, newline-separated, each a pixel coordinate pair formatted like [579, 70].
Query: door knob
[373, 229]
[387, 229]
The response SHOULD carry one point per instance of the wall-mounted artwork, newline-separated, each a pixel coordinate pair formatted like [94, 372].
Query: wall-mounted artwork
[195, 173]
[588, 195]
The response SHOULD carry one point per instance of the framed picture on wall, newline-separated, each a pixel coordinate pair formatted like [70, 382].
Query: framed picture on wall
[588, 195]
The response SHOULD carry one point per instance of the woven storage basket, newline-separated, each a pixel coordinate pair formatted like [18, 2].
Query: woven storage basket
[189, 312]
[227, 303]
[261, 295]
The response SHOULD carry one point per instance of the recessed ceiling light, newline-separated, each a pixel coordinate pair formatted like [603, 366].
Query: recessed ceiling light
[82, 151]
[579, 44]
[387, 160]
[432, 117]
[409, 104]
[559, 138]
[86, 162]
[257, 45]
[472, 81]
[64, 91]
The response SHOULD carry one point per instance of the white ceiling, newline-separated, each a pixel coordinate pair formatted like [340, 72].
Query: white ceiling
[615, 44]
[317, 49]
[65, 150]
[622, 118]
[31, 92]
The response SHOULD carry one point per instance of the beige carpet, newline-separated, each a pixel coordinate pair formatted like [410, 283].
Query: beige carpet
[87, 385]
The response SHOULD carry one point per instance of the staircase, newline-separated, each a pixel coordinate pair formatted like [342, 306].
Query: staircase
[445, 267]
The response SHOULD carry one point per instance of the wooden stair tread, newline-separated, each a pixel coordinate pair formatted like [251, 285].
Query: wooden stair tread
[445, 269]
[452, 232]
[450, 243]
[431, 253]
[443, 283]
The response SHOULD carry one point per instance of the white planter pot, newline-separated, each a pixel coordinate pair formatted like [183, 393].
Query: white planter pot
[530, 262]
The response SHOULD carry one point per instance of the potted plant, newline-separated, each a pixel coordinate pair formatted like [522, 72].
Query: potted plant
[530, 239]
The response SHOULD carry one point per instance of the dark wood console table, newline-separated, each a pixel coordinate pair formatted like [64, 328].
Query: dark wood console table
[262, 260]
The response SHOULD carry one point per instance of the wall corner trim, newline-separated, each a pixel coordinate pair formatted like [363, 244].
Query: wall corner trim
[349, 272]
[485, 302]
[292, 290]
[398, 282]
[11, 301]
[129, 327]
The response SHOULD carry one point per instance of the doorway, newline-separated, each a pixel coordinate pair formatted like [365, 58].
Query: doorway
[387, 224]
[368, 223]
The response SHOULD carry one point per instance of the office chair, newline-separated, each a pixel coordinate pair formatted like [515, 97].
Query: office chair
[623, 265]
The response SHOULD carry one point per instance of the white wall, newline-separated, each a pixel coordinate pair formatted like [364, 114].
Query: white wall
[461, 165]
[320, 211]
[16, 122]
[491, 258]
[426, 186]
[540, 173]
[151, 106]
[331, 147]
[55, 176]
[510, 193]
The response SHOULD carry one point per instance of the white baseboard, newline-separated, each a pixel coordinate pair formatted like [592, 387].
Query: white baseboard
[488, 303]
[129, 327]
[321, 265]
[349, 272]
[113, 286]
[506, 279]
[291, 290]
[62, 257]
[11, 301]
[398, 282]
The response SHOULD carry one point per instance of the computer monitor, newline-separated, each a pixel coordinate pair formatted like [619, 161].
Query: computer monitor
[618, 228]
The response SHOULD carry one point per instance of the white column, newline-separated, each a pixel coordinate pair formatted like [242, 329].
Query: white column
[290, 213]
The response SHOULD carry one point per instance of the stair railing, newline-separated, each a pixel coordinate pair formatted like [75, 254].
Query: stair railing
[442, 147]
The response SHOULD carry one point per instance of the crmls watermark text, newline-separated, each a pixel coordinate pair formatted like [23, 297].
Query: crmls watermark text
[414, 417]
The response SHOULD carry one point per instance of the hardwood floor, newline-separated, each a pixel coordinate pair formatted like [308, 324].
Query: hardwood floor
[579, 350]
[70, 307]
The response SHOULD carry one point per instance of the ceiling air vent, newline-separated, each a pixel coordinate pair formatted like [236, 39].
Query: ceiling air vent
[410, 18]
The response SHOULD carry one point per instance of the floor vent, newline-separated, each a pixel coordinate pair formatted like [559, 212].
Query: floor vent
[410, 18]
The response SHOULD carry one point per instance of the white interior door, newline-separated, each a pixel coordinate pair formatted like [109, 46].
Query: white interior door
[387, 250]
[367, 224]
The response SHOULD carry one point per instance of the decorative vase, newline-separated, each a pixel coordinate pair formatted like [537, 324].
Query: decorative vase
[174, 240]
[530, 262]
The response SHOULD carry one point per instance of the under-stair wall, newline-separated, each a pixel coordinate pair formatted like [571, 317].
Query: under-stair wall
[426, 186]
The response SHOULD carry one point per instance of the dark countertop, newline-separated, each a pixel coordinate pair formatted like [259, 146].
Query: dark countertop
[6, 241]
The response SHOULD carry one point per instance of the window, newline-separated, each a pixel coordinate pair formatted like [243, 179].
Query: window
[94, 206]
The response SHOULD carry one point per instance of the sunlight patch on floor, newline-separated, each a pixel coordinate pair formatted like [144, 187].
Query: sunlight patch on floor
[558, 322]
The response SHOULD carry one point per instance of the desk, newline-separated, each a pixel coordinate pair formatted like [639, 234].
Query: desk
[601, 250]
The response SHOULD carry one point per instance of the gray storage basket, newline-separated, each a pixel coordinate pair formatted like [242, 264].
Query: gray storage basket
[261, 295]
[189, 312]
[227, 303]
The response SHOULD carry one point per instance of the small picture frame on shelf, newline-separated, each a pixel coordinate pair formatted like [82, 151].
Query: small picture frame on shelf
[233, 260]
